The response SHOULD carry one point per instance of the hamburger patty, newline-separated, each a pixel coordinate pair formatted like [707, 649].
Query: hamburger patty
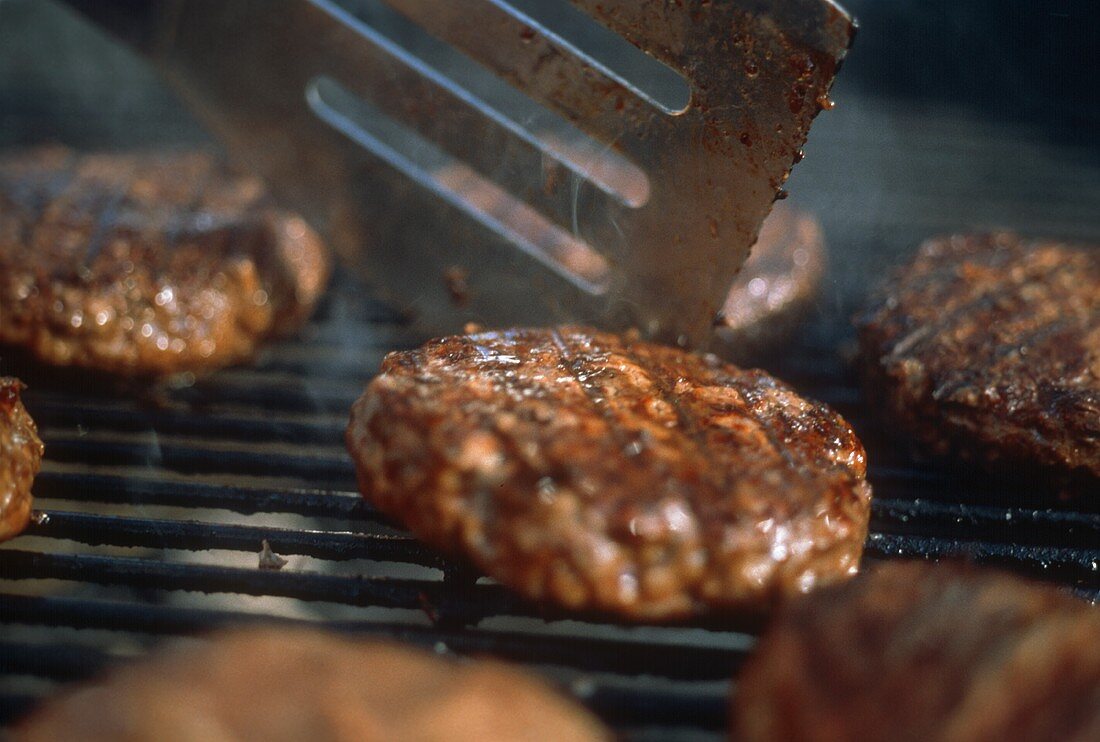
[775, 289]
[607, 474]
[147, 264]
[914, 651]
[295, 684]
[20, 458]
[987, 347]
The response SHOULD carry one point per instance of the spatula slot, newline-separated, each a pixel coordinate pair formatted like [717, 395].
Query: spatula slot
[478, 91]
[458, 184]
[650, 79]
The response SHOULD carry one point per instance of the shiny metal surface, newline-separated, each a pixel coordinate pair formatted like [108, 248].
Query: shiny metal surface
[573, 191]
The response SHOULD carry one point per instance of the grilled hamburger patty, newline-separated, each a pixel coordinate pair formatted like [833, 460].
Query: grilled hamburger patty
[612, 475]
[147, 264]
[775, 288]
[295, 684]
[914, 651]
[20, 458]
[987, 347]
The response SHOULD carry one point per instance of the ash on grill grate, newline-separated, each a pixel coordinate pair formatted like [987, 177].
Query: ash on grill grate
[157, 516]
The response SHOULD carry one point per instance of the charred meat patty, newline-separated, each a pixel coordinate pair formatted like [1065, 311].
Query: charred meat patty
[147, 264]
[607, 474]
[776, 287]
[915, 651]
[267, 684]
[987, 347]
[20, 459]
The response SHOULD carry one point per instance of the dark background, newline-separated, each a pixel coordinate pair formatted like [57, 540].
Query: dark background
[950, 115]
[1013, 60]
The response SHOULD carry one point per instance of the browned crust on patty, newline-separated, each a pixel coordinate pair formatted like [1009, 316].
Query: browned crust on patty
[987, 347]
[606, 474]
[775, 289]
[914, 651]
[147, 264]
[20, 458]
[295, 684]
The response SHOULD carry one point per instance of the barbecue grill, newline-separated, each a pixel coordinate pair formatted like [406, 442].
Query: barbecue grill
[155, 510]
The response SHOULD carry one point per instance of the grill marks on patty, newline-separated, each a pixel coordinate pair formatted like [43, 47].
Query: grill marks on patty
[147, 264]
[612, 475]
[987, 347]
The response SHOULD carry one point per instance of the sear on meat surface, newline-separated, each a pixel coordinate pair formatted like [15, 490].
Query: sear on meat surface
[775, 289]
[610, 475]
[20, 458]
[296, 684]
[916, 651]
[987, 347]
[147, 264]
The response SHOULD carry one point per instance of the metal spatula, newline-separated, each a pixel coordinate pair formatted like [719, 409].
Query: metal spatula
[512, 161]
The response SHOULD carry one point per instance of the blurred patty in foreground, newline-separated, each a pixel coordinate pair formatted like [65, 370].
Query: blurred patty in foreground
[917, 651]
[289, 685]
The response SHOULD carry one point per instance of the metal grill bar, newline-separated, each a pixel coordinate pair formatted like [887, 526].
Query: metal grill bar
[673, 660]
[1044, 527]
[196, 536]
[604, 655]
[330, 467]
[67, 410]
[335, 363]
[901, 529]
[1079, 532]
[327, 467]
[1080, 568]
[457, 601]
[1077, 566]
[1006, 524]
[151, 574]
[143, 489]
[271, 397]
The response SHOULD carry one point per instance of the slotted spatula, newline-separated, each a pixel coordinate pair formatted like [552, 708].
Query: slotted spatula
[512, 161]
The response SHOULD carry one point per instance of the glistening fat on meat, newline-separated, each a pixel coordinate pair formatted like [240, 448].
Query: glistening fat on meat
[20, 458]
[147, 264]
[606, 474]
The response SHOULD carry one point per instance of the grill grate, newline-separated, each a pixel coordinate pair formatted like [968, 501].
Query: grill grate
[156, 514]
